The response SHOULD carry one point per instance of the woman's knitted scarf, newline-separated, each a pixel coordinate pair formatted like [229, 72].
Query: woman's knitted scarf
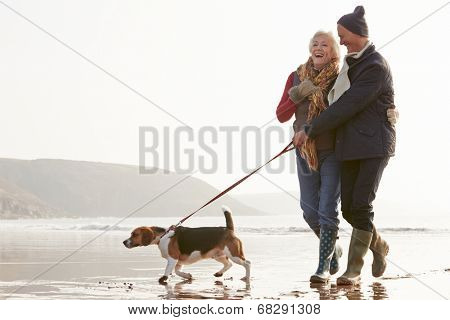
[324, 80]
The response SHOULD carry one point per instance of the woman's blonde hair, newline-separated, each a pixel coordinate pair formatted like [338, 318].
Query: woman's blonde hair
[329, 35]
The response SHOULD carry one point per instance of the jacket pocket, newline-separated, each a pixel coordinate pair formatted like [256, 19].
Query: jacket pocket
[365, 130]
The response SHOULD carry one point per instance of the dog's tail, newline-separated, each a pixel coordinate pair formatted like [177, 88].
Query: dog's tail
[228, 219]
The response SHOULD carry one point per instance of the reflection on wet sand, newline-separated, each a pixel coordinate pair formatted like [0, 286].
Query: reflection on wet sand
[332, 292]
[106, 270]
[187, 290]
[379, 291]
[326, 291]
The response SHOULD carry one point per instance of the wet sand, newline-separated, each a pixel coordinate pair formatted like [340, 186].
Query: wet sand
[281, 266]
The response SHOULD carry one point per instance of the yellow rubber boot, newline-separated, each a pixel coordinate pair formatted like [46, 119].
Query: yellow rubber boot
[359, 244]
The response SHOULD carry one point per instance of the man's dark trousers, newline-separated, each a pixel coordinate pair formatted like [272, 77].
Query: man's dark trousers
[359, 184]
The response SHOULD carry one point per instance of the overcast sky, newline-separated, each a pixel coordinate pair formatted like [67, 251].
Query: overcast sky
[208, 63]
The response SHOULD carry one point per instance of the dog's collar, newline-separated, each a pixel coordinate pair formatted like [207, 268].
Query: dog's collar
[172, 227]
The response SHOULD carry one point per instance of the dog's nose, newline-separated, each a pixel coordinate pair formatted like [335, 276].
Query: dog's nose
[125, 243]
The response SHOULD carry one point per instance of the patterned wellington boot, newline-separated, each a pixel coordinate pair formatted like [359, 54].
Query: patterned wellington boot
[334, 264]
[380, 249]
[327, 244]
[359, 244]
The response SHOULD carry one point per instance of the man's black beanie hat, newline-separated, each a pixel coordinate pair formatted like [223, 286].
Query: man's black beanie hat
[355, 22]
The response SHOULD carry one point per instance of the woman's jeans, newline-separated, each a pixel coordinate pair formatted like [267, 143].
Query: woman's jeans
[320, 190]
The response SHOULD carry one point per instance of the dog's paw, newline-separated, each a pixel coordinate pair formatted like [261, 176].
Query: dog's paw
[163, 280]
[187, 276]
[218, 274]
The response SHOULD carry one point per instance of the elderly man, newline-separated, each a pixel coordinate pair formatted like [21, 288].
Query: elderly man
[365, 140]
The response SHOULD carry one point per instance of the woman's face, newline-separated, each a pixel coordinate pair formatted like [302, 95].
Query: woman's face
[321, 51]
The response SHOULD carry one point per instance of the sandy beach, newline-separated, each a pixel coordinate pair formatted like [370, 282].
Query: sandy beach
[97, 266]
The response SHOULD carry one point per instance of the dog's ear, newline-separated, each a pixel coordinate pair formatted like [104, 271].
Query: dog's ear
[147, 236]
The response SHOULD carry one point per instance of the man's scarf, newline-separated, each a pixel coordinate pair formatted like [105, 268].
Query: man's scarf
[342, 83]
[322, 79]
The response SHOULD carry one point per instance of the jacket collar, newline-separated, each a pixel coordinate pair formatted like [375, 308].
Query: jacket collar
[355, 56]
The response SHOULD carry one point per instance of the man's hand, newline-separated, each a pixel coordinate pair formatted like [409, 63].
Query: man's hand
[299, 138]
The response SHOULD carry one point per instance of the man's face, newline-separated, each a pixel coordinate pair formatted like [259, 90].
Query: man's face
[348, 39]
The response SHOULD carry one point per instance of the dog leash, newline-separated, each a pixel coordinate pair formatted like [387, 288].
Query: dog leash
[286, 149]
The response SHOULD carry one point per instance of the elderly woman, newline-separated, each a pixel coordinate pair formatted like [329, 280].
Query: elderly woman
[317, 167]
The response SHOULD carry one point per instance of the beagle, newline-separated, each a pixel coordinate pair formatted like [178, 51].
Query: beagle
[184, 246]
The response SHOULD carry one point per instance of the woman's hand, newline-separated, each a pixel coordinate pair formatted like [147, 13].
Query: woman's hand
[300, 92]
[392, 115]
